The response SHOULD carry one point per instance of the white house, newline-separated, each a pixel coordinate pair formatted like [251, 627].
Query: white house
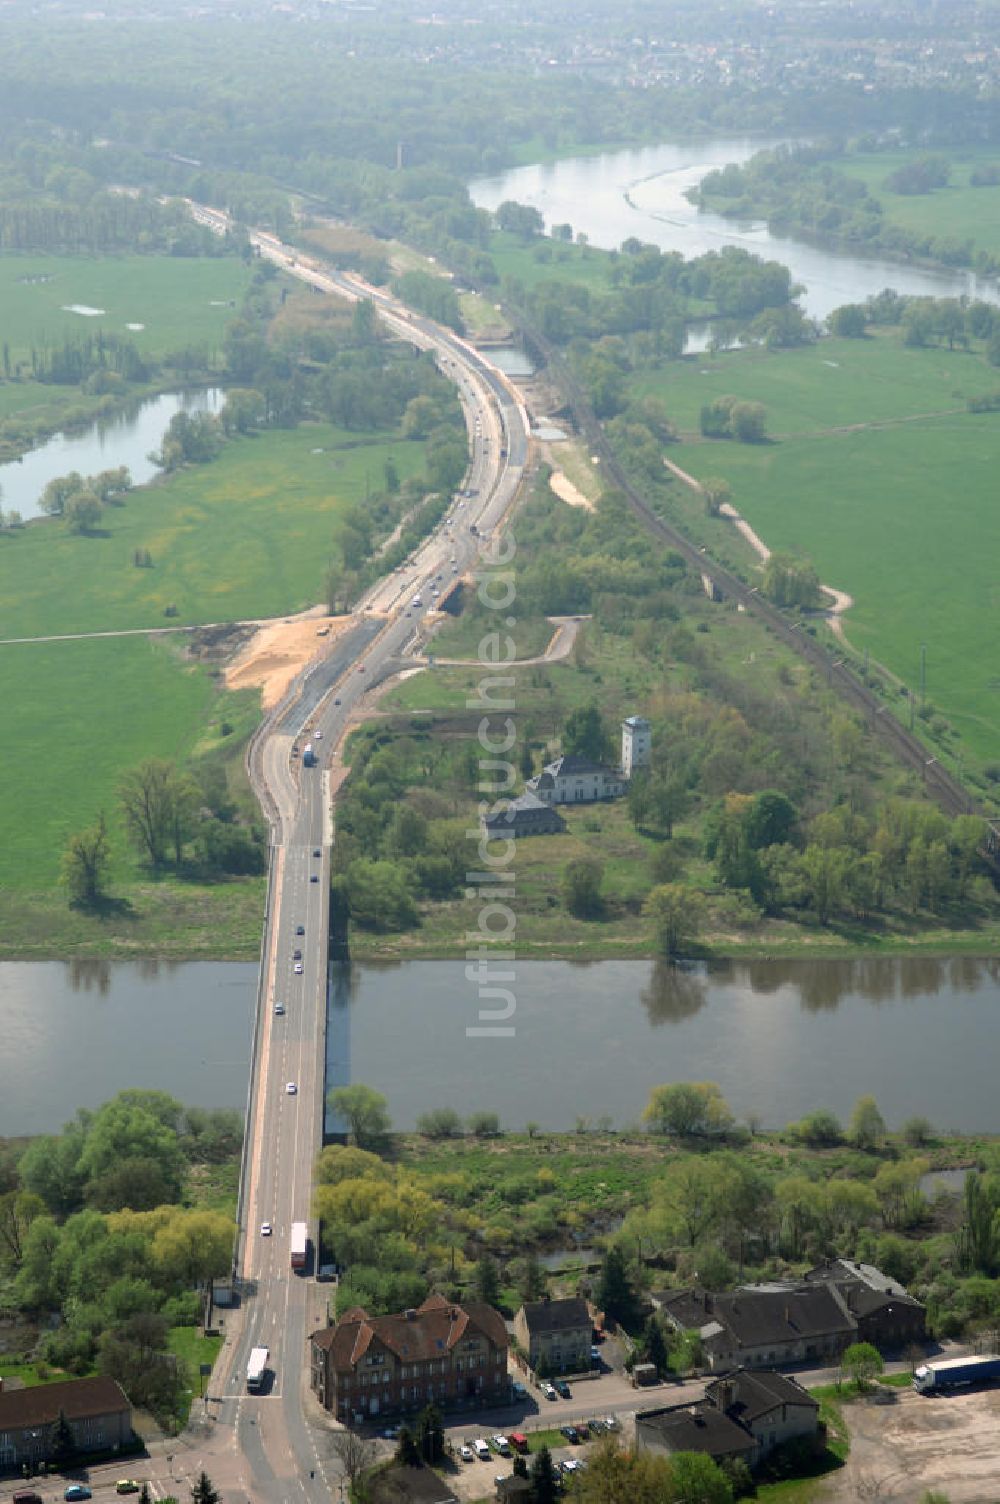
[576, 780]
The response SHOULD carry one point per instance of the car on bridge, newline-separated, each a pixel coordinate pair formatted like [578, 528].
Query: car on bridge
[291, 1088]
[279, 1007]
[298, 968]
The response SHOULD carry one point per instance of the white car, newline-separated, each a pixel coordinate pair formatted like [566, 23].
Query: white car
[481, 1450]
[291, 1088]
[279, 1007]
[571, 1465]
[265, 1229]
[501, 1444]
[466, 1454]
[298, 968]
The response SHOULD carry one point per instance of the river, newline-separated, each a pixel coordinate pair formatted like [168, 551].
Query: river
[641, 192]
[591, 1039]
[125, 439]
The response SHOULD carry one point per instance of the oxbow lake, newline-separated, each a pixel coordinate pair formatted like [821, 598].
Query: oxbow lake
[590, 1040]
[128, 438]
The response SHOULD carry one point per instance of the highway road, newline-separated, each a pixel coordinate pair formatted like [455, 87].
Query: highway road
[265, 1445]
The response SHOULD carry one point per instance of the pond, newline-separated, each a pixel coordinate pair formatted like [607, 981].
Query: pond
[125, 439]
[641, 192]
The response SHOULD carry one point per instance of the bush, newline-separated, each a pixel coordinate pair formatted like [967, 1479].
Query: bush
[440, 1122]
[485, 1124]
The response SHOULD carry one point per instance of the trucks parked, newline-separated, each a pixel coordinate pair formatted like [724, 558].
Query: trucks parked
[256, 1369]
[956, 1373]
[299, 1245]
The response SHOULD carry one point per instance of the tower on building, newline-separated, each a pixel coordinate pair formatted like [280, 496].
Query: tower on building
[637, 744]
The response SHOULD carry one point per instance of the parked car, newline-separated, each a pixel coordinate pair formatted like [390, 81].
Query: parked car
[549, 1392]
[481, 1450]
[518, 1390]
[77, 1492]
[563, 1388]
[518, 1441]
[570, 1433]
[501, 1445]
[126, 1486]
[595, 1357]
[583, 1430]
[466, 1453]
[611, 1421]
[390, 1433]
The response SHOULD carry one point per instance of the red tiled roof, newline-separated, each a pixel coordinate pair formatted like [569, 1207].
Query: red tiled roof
[428, 1332]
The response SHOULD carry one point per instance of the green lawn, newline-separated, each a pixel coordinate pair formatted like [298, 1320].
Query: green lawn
[75, 715]
[180, 300]
[546, 260]
[958, 211]
[193, 1349]
[902, 517]
[249, 535]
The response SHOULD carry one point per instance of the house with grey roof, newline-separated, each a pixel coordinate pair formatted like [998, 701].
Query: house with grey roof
[742, 1415]
[885, 1313]
[527, 815]
[763, 1326]
[556, 1333]
[572, 779]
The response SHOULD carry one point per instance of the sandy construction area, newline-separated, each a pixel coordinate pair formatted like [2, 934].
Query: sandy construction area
[278, 650]
[951, 1445]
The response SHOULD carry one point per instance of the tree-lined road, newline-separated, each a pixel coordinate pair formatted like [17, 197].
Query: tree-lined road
[271, 1449]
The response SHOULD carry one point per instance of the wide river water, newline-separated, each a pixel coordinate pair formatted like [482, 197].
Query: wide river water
[590, 1039]
[640, 193]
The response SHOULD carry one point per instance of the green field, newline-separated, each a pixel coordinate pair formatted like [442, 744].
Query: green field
[902, 515]
[546, 260]
[75, 715]
[958, 211]
[249, 535]
[180, 300]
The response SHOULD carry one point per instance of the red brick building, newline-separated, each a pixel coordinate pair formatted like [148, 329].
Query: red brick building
[454, 1356]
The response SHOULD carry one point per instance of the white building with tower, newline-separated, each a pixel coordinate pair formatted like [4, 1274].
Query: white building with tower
[572, 779]
[637, 744]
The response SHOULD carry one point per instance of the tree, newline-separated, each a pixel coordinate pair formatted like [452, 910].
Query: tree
[355, 1453]
[863, 1362]
[18, 1209]
[849, 321]
[58, 492]
[62, 1444]
[867, 1129]
[543, 1477]
[244, 410]
[582, 880]
[202, 1491]
[195, 1246]
[748, 422]
[85, 864]
[615, 1291]
[430, 1436]
[487, 1280]
[440, 1122]
[689, 1109]
[157, 803]
[655, 1347]
[531, 1285]
[586, 735]
[484, 1124]
[366, 1111]
[676, 912]
[717, 493]
[82, 512]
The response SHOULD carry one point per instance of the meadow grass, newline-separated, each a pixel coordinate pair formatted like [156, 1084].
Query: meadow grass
[545, 260]
[180, 300]
[902, 517]
[76, 714]
[249, 535]
[959, 211]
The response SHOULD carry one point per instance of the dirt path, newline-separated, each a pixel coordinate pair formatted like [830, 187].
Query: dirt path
[560, 645]
[841, 600]
[564, 488]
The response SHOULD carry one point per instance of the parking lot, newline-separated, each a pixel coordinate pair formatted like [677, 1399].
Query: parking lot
[947, 1444]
